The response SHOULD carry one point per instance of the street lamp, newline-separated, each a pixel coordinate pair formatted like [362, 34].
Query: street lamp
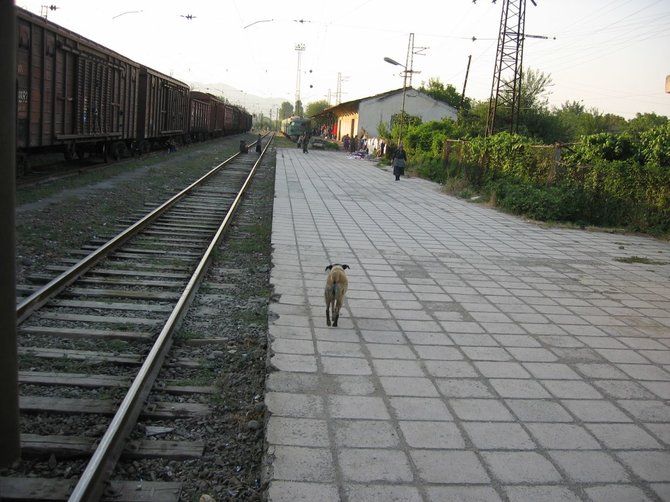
[259, 21]
[404, 88]
[127, 12]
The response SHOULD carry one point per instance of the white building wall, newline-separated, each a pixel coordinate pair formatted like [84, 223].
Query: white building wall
[372, 111]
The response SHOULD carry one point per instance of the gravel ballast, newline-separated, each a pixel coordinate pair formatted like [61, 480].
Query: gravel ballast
[225, 329]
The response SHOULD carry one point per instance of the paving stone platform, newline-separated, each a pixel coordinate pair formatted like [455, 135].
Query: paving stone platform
[479, 357]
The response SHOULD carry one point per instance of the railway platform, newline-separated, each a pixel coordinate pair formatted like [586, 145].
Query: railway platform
[478, 356]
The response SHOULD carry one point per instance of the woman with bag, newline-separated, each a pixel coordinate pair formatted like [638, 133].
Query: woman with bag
[399, 161]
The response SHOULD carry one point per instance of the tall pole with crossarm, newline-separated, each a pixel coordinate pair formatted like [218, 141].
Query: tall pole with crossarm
[300, 48]
[507, 73]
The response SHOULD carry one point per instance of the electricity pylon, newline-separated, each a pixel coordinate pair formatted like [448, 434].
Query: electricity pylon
[507, 74]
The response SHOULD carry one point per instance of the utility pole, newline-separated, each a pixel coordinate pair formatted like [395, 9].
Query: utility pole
[465, 82]
[507, 73]
[300, 48]
[408, 70]
[44, 10]
[411, 52]
[338, 91]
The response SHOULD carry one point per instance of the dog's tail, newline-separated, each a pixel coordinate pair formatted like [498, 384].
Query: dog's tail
[334, 289]
[337, 288]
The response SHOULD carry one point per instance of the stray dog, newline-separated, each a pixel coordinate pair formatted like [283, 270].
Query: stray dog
[336, 286]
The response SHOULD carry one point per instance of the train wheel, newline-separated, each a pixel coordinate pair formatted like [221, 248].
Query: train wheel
[70, 152]
[22, 164]
[145, 147]
[116, 150]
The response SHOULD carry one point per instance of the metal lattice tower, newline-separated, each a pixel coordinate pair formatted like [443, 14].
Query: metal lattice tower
[300, 48]
[506, 87]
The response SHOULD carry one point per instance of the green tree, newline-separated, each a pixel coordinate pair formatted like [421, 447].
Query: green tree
[299, 109]
[286, 110]
[569, 117]
[645, 121]
[535, 90]
[541, 125]
[316, 107]
[473, 121]
[533, 100]
[595, 122]
[447, 94]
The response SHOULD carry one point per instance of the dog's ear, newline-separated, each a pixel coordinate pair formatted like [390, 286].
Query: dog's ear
[329, 267]
[345, 267]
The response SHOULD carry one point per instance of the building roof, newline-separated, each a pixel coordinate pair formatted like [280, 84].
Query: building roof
[352, 106]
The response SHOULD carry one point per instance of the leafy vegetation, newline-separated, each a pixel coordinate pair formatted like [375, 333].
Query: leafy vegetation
[606, 180]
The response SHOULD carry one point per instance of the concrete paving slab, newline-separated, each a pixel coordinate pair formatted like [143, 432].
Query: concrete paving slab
[478, 356]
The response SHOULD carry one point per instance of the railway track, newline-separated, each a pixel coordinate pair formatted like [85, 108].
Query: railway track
[99, 334]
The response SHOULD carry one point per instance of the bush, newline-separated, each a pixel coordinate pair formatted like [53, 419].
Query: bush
[655, 146]
[619, 180]
[539, 203]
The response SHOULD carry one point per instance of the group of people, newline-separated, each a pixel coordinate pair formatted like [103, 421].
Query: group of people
[398, 160]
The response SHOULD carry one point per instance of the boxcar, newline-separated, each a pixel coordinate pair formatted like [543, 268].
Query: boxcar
[228, 124]
[72, 94]
[207, 115]
[217, 117]
[241, 120]
[163, 110]
[199, 116]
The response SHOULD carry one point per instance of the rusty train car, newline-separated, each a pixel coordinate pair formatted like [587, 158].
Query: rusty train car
[81, 98]
[211, 117]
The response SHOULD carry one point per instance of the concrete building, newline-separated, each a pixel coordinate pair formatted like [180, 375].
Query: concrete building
[363, 116]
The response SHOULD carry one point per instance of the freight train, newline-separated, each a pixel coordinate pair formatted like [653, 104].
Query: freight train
[78, 97]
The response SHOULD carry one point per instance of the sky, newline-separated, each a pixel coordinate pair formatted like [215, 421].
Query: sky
[611, 55]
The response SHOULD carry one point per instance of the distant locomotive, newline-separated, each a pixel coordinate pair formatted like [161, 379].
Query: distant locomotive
[81, 98]
[294, 127]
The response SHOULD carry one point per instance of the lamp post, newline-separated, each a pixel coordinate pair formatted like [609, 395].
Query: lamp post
[127, 12]
[259, 21]
[404, 88]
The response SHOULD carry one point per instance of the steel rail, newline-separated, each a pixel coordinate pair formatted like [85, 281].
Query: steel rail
[58, 284]
[91, 484]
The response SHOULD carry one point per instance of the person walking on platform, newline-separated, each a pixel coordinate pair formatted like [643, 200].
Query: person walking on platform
[305, 142]
[399, 161]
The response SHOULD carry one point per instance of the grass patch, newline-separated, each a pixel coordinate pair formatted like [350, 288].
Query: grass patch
[257, 316]
[282, 141]
[256, 241]
[641, 259]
